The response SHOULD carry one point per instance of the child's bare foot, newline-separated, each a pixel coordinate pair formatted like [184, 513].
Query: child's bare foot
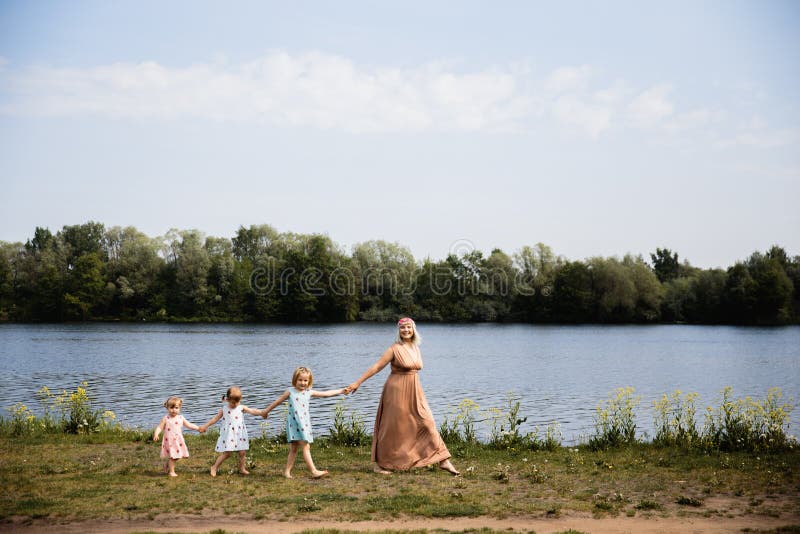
[213, 471]
[173, 474]
[244, 472]
[287, 474]
[448, 466]
[319, 474]
[381, 471]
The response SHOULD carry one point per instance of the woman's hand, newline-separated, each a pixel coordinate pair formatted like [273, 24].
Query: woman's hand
[352, 388]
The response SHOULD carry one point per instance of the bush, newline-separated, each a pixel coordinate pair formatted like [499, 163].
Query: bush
[747, 424]
[69, 412]
[614, 420]
[462, 428]
[506, 432]
[350, 431]
[675, 420]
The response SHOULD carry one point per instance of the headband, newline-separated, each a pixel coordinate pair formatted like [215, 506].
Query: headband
[406, 320]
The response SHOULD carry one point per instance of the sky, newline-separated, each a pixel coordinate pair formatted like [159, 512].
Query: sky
[597, 128]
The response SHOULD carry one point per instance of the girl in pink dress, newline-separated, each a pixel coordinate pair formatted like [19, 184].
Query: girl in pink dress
[173, 447]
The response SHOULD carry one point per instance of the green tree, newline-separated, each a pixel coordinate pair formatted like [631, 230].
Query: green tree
[773, 288]
[188, 265]
[135, 269]
[649, 292]
[537, 268]
[385, 273]
[254, 242]
[614, 291]
[740, 295]
[707, 294]
[41, 275]
[9, 254]
[220, 278]
[665, 264]
[85, 287]
[573, 294]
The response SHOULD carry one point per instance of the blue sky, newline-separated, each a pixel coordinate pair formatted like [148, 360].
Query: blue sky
[597, 128]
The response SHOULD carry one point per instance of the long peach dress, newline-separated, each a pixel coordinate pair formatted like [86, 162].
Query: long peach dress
[405, 434]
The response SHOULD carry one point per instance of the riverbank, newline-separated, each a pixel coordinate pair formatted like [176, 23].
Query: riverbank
[69, 481]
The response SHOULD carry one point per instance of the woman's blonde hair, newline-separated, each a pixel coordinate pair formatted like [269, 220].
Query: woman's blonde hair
[172, 401]
[299, 371]
[234, 395]
[416, 339]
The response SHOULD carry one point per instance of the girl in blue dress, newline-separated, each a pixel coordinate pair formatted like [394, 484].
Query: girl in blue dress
[298, 422]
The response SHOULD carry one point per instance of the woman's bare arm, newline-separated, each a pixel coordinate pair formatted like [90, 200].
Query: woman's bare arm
[374, 369]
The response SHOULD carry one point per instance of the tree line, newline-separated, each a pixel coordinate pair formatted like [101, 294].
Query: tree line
[89, 272]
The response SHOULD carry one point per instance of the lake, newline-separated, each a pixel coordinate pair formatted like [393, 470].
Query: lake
[560, 373]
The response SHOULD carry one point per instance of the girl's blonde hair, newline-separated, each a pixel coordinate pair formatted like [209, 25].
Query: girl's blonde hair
[302, 370]
[233, 395]
[172, 401]
[416, 339]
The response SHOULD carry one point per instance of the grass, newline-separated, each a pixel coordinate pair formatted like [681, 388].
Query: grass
[118, 476]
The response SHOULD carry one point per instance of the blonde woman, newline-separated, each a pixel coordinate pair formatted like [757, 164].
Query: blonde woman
[405, 434]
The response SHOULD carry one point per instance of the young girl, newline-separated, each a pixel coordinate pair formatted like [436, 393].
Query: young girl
[233, 434]
[173, 448]
[298, 422]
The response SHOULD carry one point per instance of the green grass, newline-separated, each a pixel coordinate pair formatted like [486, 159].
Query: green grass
[118, 476]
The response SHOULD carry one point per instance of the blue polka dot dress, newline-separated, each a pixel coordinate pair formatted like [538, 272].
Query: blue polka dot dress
[298, 422]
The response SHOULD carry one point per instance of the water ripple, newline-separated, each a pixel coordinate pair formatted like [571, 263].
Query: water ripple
[559, 373]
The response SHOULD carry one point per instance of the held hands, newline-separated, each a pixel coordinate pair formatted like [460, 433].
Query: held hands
[352, 388]
[202, 429]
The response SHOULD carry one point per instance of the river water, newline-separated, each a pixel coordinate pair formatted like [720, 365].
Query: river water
[560, 373]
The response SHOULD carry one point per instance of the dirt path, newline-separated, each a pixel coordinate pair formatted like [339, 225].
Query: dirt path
[634, 525]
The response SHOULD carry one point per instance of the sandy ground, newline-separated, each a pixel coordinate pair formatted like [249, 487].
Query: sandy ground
[633, 525]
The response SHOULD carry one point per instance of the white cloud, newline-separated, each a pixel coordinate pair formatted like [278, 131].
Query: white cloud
[651, 106]
[566, 79]
[326, 91]
[312, 89]
[763, 138]
[589, 117]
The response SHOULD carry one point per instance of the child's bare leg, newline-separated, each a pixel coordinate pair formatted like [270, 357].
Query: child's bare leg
[221, 458]
[242, 457]
[171, 467]
[316, 473]
[290, 460]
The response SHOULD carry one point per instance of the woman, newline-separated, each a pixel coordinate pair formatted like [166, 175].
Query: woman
[405, 434]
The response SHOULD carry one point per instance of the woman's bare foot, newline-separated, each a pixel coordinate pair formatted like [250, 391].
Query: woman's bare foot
[319, 474]
[244, 472]
[381, 471]
[173, 474]
[213, 471]
[447, 465]
[287, 474]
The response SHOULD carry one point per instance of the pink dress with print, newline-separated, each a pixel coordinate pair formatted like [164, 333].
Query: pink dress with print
[172, 443]
[233, 433]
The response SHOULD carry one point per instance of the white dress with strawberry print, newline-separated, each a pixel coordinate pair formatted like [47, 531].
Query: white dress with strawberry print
[233, 432]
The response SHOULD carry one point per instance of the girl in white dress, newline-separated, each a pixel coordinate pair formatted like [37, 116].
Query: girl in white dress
[233, 431]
